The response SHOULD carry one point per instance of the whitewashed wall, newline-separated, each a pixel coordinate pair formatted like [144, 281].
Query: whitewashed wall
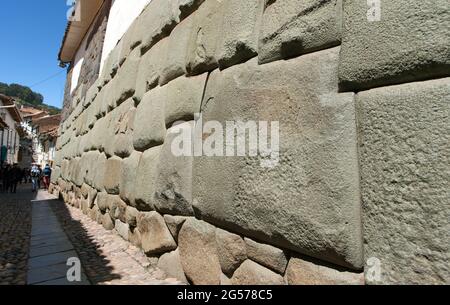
[122, 14]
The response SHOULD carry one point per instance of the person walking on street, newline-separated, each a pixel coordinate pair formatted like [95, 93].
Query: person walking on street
[47, 172]
[35, 176]
[15, 176]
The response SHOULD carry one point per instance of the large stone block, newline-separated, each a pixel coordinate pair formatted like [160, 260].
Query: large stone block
[145, 179]
[293, 27]
[173, 189]
[198, 252]
[232, 251]
[408, 43]
[113, 172]
[302, 272]
[170, 263]
[123, 144]
[308, 199]
[99, 174]
[90, 167]
[405, 153]
[184, 98]
[251, 273]
[128, 177]
[159, 19]
[124, 84]
[149, 128]
[155, 236]
[240, 31]
[203, 39]
[150, 69]
[267, 255]
[175, 58]
[111, 65]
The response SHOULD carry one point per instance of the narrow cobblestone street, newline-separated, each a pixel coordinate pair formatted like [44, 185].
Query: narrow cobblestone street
[15, 229]
[57, 232]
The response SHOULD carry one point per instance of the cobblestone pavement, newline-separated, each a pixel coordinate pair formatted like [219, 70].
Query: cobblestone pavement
[106, 258]
[15, 228]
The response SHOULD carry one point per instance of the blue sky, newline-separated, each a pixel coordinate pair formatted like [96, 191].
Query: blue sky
[31, 32]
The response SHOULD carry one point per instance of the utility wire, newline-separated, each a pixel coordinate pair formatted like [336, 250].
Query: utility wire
[47, 79]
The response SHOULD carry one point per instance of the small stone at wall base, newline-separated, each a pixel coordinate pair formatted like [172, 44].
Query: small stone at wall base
[155, 236]
[174, 223]
[267, 255]
[231, 250]
[301, 272]
[251, 273]
[122, 229]
[170, 263]
[107, 222]
[198, 252]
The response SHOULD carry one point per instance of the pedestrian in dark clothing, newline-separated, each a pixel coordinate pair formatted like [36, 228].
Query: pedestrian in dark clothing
[15, 175]
[47, 172]
[6, 178]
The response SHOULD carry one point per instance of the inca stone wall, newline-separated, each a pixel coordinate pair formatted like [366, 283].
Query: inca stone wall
[363, 107]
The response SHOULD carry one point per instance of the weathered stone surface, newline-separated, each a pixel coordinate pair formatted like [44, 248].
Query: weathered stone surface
[231, 249]
[94, 213]
[99, 174]
[175, 59]
[225, 281]
[122, 229]
[150, 69]
[405, 152]
[92, 196]
[293, 27]
[301, 272]
[90, 167]
[113, 172]
[111, 64]
[184, 98]
[131, 39]
[146, 179]
[173, 185]
[309, 201]
[84, 190]
[198, 252]
[128, 178]
[267, 255]
[104, 201]
[122, 125]
[107, 222]
[131, 215]
[84, 206]
[409, 43]
[118, 209]
[239, 38]
[155, 236]
[170, 263]
[134, 236]
[174, 223]
[125, 81]
[56, 174]
[251, 273]
[160, 17]
[149, 128]
[203, 40]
